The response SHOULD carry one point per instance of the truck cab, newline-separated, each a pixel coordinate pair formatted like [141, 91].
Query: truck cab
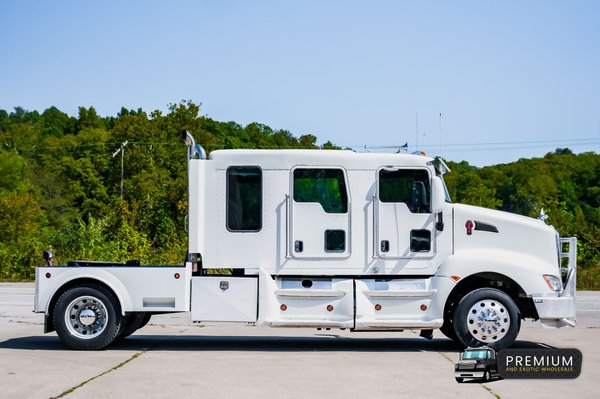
[329, 239]
[476, 363]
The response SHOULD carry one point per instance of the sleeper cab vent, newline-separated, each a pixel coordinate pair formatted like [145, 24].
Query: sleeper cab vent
[483, 226]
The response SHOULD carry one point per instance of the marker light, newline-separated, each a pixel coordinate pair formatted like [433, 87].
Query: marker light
[329, 308]
[553, 282]
[423, 307]
[378, 307]
[48, 275]
[177, 275]
[283, 307]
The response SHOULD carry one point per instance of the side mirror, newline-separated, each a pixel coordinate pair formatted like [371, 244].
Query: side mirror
[48, 256]
[438, 195]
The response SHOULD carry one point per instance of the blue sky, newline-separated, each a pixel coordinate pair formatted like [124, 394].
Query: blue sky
[356, 73]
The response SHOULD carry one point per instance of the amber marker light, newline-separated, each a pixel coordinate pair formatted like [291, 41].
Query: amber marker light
[455, 278]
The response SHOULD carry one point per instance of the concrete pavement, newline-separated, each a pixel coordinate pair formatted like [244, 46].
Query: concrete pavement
[173, 358]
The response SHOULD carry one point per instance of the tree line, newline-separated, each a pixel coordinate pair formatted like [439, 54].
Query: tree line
[59, 185]
[565, 185]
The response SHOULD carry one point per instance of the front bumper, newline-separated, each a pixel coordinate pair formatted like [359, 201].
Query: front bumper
[558, 309]
[469, 374]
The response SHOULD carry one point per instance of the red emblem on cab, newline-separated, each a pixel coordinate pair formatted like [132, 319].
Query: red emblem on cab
[469, 225]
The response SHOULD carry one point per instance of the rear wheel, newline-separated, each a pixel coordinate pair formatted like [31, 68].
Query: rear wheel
[87, 317]
[459, 379]
[487, 316]
[133, 323]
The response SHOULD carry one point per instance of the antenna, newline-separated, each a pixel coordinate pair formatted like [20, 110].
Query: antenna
[417, 131]
[122, 151]
[440, 134]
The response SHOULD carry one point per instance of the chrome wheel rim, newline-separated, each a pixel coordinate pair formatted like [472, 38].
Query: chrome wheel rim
[86, 317]
[488, 321]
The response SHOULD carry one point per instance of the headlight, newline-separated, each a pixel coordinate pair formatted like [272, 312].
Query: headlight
[553, 282]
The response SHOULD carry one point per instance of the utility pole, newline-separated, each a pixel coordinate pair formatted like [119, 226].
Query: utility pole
[122, 151]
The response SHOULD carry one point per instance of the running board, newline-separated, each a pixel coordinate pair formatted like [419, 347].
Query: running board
[398, 324]
[310, 293]
[400, 293]
[310, 323]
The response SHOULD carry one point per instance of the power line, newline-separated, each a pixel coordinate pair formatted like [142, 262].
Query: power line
[452, 147]
[579, 141]
[517, 147]
[91, 145]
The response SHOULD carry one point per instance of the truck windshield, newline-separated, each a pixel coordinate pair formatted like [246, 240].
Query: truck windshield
[440, 169]
[479, 354]
[446, 193]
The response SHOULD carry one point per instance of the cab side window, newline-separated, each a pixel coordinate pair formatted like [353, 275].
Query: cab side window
[410, 186]
[324, 186]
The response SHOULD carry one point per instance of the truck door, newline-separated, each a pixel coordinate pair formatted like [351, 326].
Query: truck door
[405, 225]
[320, 213]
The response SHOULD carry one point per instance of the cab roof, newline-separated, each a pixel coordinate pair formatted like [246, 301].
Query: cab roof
[288, 159]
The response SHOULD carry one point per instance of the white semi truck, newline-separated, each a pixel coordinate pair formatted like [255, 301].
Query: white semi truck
[327, 239]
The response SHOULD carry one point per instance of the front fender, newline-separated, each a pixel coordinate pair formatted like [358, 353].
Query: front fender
[524, 269]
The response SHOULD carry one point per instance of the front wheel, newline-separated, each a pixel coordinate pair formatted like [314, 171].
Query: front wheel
[487, 316]
[448, 330]
[87, 317]
[486, 376]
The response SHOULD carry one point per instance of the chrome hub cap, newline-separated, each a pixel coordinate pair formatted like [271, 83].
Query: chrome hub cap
[86, 317]
[488, 321]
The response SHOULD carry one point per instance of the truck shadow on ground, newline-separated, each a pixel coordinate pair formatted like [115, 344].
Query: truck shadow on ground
[328, 343]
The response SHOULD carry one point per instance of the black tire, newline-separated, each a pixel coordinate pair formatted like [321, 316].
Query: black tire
[132, 323]
[448, 330]
[500, 324]
[459, 379]
[84, 304]
[486, 376]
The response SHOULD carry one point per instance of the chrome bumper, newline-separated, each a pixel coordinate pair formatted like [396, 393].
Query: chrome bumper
[558, 309]
[469, 374]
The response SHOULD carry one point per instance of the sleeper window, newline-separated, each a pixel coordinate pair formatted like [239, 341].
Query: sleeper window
[244, 198]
